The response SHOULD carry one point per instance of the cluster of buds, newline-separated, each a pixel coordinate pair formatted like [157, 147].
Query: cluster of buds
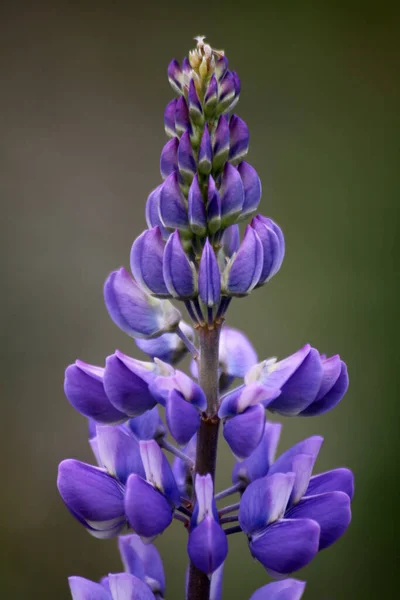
[193, 252]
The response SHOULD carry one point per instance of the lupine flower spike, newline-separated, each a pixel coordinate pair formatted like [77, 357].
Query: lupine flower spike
[192, 255]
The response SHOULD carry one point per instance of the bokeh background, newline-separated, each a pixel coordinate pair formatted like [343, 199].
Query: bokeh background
[83, 88]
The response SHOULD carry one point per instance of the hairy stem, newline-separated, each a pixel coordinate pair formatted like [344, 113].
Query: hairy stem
[207, 437]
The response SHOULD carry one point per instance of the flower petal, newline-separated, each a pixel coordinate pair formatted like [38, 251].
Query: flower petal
[125, 586]
[207, 546]
[243, 432]
[337, 480]
[119, 452]
[147, 261]
[84, 589]
[142, 560]
[183, 418]
[148, 511]
[288, 589]
[258, 463]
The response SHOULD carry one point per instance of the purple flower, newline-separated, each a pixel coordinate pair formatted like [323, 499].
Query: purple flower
[119, 586]
[272, 240]
[169, 158]
[239, 140]
[232, 195]
[252, 189]
[209, 277]
[179, 272]
[167, 347]
[205, 153]
[286, 516]
[153, 218]
[148, 426]
[137, 313]
[244, 268]
[143, 561]
[147, 262]
[207, 545]
[310, 383]
[172, 205]
[197, 208]
[169, 118]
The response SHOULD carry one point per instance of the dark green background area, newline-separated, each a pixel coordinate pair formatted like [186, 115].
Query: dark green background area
[83, 88]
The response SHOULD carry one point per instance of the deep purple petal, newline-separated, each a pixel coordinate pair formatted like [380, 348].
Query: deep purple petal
[89, 492]
[310, 446]
[173, 211]
[84, 589]
[335, 394]
[264, 501]
[207, 546]
[83, 386]
[287, 545]
[232, 194]
[252, 188]
[126, 381]
[169, 118]
[183, 418]
[213, 207]
[148, 511]
[239, 139]
[147, 261]
[220, 143]
[119, 452]
[209, 276]
[230, 240]
[331, 511]
[169, 158]
[168, 347]
[205, 153]
[182, 122]
[175, 76]
[179, 272]
[338, 480]
[288, 589]
[186, 162]
[197, 208]
[243, 433]
[153, 211]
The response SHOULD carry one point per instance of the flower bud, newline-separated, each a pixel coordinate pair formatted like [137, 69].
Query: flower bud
[221, 66]
[175, 76]
[195, 108]
[136, 312]
[334, 385]
[232, 195]
[209, 276]
[147, 262]
[183, 418]
[213, 207]
[244, 431]
[179, 273]
[173, 210]
[211, 98]
[220, 143]
[252, 189]
[182, 121]
[243, 270]
[153, 212]
[273, 244]
[148, 426]
[288, 589]
[259, 462]
[197, 209]
[227, 92]
[230, 240]
[205, 153]
[169, 118]
[239, 140]
[186, 162]
[169, 158]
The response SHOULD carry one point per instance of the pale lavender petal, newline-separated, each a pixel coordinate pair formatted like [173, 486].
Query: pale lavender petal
[119, 452]
[84, 589]
[341, 480]
[288, 589]
[125, 586]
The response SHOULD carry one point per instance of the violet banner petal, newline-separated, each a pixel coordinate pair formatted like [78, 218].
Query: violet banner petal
[242, 273]
[243, 432]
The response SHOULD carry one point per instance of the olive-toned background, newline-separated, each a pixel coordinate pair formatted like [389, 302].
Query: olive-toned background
[83, 88]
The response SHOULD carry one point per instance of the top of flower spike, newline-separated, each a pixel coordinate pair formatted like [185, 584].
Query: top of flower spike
[202, 58]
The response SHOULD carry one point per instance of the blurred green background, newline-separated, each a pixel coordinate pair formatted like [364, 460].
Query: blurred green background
[81, 110]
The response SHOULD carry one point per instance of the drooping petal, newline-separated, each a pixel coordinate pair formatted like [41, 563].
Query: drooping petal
[331, 511]
[183, 418]
[244, 396]
[288, 589]
[286, 545]
[84, 589]
[95, 498]
[207, 546]
[126, 381]
[147, 509]
[258, 463]
[173, 210]
[239, 139]
[197, 208]
[147, 261]
[232, 195]
[119, 452]
[243, 270]
[136, 312]
[124, 586]
[340, 480]
[243, 432]
[143, 561]
[83, 386]
[179, 273]
[169, 158]
[209, 276]
[264, 502]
